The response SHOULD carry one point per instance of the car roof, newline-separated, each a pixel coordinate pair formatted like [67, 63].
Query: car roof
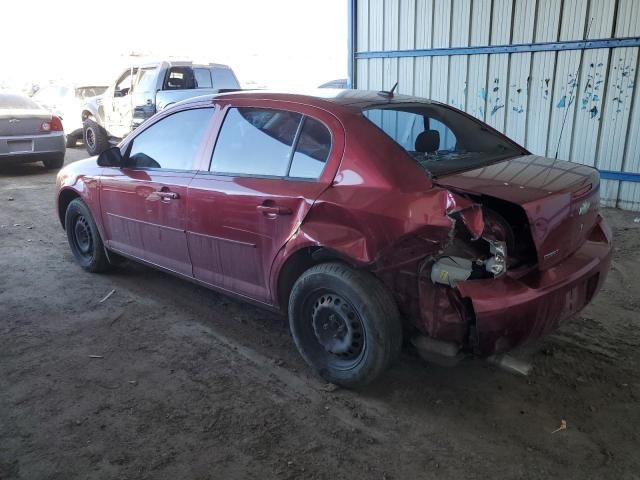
[181, 63]
[355, 100]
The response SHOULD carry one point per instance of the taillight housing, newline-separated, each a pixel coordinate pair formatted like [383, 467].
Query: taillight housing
[53, 125]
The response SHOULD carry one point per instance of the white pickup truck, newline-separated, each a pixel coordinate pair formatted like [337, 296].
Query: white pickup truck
[140, 91]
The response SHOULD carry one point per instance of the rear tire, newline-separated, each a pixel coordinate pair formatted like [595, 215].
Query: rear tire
[84, 238]
[71, 141]
[95, 137]
[54, 162]
[345, 324]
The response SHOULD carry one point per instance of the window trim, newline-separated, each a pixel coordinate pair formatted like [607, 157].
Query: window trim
[292, 153]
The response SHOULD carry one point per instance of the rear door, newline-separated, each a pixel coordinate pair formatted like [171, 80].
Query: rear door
[268, 167]
[144, 204]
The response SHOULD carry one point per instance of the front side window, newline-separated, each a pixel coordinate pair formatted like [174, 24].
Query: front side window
[254, 141]
[146, 81]
[439, 138]
[172, 143]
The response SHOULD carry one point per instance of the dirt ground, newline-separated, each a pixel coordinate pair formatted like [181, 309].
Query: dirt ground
[193, 385]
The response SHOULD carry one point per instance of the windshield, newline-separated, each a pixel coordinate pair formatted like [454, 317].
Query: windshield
[440, 139]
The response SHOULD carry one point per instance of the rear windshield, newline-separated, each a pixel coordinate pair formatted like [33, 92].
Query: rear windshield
[13, 101]
[440, 139]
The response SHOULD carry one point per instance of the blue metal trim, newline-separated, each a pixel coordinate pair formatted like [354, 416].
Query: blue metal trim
[516, 48]
[351, 39]
[622, 176]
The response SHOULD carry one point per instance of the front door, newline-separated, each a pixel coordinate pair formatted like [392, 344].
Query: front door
[144, 204]
[266, 171]
[118, 104]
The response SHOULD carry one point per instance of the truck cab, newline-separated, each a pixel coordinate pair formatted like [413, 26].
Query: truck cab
[143, 90]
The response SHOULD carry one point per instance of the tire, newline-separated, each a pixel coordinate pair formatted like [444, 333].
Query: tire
[95, 137]
[84, 238]
[54, 162]
[71, 141]
[345, 324]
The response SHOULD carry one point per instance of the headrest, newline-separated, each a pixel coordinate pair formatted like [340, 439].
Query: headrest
[428, 141]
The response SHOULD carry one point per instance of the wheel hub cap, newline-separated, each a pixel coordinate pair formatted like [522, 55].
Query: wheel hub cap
[83, 235]
[337, 327]
[90, 138]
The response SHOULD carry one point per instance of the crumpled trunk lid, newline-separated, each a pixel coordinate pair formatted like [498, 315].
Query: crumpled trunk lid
[560, 199]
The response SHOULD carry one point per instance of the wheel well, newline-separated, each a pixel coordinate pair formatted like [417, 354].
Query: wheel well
[297, 264]
[65, 198]
[86, 114]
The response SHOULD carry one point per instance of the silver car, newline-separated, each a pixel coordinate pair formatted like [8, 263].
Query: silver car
[28, 133]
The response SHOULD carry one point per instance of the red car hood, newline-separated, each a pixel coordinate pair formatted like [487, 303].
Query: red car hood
[560, 199]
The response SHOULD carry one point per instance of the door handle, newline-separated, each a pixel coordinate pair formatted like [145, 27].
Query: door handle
[168, 195]
[273, 210]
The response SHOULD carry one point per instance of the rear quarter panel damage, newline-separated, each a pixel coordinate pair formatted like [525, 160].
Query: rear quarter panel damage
[391, 233]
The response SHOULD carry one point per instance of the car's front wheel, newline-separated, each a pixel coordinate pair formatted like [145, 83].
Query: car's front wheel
[345, 323]
[84, 238]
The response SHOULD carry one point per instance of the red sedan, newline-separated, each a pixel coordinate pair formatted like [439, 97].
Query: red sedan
[364, 216]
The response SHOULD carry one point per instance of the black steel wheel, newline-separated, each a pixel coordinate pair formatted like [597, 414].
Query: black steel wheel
[84, 238]
[345, 323]
[95, 137]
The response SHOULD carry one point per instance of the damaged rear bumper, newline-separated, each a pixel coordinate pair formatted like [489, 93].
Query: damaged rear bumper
[509, 311]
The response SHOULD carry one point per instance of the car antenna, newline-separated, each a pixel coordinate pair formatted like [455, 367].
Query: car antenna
[573, 87]
[388, 94]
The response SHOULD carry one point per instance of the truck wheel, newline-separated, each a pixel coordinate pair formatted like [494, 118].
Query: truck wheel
[95, 138]
[54, 162]
[345, 323]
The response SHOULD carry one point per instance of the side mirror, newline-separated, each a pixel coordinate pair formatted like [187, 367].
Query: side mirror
[112, 157]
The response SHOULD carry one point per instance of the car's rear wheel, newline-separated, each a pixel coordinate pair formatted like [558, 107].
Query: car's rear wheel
[71, 140]
[54, 162]
[95, 137]
[84, 238]
[345, 323]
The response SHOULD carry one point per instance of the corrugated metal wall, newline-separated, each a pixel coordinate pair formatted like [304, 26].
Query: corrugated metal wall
[524, 94]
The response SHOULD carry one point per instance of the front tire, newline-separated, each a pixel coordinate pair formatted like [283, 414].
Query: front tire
[95, 137]
[84, 238]
[345, 324]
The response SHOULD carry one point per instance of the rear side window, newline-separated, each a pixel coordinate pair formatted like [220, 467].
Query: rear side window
[312, 150]
[203, 77]
[172, 143]
[255, 141]
[180, 78]
[224, 78]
